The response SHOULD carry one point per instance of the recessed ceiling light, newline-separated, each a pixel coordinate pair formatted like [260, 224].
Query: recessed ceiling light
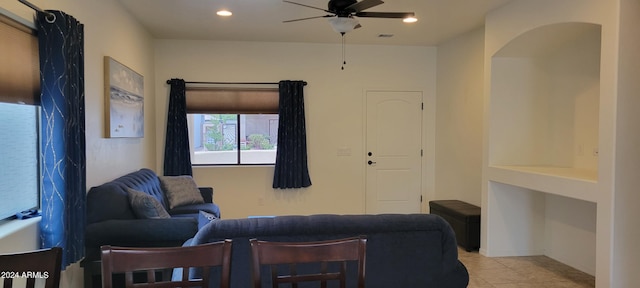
[410, 20]
[224, 13]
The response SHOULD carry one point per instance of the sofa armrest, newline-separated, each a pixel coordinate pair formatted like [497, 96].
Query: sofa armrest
[207, 194]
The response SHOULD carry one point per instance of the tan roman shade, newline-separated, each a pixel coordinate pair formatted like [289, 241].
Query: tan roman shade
[232, 100]
[19, 63]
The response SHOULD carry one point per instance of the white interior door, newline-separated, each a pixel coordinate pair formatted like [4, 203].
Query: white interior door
[394, 152]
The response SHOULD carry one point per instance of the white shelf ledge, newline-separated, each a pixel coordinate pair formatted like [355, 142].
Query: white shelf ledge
[568, 182]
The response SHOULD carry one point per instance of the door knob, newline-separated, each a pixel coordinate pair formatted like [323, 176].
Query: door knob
[371, 162]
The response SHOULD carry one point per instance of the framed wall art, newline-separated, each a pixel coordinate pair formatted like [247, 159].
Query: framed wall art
[124, 100]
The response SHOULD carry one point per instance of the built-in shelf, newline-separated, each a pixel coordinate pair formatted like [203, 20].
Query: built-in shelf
[568, 182]
[543, 145]
[562, 172]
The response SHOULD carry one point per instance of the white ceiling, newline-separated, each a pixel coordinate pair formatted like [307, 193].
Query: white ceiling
[261, 20]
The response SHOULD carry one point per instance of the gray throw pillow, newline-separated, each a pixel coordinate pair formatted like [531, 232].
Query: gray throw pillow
[145, 206]
[180, 190]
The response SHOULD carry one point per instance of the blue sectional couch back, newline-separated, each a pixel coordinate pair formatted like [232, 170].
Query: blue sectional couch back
[416, 250]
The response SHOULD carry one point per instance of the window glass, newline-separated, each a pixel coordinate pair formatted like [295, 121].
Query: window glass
[19, 118]
[19, 171]
[233, 139]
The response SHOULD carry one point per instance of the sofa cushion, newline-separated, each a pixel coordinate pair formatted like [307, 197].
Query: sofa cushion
[137, 233]
[146, 206]
[193, 209]
[180, 190]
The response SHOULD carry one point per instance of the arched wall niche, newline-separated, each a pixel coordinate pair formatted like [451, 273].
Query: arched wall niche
[544, 102]
[543, 140]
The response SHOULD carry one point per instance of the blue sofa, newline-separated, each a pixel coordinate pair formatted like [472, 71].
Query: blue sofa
[409, 251]
[112, 221]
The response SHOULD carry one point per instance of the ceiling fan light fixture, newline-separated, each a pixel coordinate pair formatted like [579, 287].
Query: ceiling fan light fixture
[410, 19]
[343, 24]
[224, 13]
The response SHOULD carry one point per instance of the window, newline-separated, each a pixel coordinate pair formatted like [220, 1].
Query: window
[19, 119]
[19, 176]
[232, 126]
[234, 138]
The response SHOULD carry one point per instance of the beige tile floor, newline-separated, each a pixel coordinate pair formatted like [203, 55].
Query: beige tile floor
[521, 272]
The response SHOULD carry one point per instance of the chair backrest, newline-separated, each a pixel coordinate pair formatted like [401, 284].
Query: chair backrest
[323, 252]
[149, 262]
[30, 266]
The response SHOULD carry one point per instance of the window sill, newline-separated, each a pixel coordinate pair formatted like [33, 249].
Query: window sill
[268, 165]
[10, 227]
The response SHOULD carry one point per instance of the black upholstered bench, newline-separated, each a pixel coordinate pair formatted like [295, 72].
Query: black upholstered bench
[463, 217]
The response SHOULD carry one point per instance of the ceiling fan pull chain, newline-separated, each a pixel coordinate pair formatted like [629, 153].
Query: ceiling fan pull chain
[344, 62]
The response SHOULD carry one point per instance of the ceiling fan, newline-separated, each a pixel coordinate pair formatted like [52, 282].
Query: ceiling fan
[342, 13]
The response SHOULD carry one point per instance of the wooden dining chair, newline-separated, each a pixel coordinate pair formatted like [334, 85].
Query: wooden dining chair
[156, 264]
[30, 266]
[341, 251]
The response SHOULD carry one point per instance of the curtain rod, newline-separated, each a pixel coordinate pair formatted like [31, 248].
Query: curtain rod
[34, 7]
[239, 83]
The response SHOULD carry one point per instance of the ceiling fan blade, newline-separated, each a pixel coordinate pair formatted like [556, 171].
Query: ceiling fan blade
[307, 18]
[398, 15]
[304, 5]
[362, 5]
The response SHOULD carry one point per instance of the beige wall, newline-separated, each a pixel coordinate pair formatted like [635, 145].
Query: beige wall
[627, 159]
[459, 118]
[109, 31]
[335, 112]
[334, 109]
